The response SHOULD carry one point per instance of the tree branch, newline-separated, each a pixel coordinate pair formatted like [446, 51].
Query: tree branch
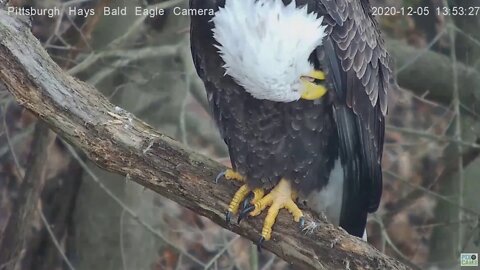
[425, 70]
[119, 142]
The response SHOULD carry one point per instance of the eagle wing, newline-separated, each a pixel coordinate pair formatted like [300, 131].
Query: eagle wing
[358, 68]
[222, 91]
[206, 58]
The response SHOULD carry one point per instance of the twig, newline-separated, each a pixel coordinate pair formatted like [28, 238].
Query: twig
[10, 144]
[433, 136]
[120, 42]
[12, 261]
[468, 36]
[127, 209]
[16, 231]
[418, 77]
[422, 53]
[269, 263]
[182, 126]
[122, 247]
[253, 257]
[179, 262]
[54, 239]
[458, 134]
[389, 241]
[129, 56]
[220, 253]
[432, 193]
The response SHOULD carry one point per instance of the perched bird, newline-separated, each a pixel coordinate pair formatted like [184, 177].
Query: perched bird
[298, 89]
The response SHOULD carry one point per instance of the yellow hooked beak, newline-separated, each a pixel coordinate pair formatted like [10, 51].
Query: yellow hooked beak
[311, 90]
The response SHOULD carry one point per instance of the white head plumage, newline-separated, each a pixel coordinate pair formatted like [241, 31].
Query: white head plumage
[266, 45]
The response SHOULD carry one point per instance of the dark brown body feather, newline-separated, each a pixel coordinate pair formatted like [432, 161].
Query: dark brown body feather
[300, 140]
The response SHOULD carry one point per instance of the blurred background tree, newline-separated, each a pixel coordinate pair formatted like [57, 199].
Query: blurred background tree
[430, 208]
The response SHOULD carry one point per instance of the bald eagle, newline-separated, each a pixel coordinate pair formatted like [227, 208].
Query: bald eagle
[298, 90]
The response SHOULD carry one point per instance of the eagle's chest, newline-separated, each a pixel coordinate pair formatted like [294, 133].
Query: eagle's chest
[270, 140]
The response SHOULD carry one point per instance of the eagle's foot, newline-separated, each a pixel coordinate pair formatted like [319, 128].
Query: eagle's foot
[248, 204]
[244, 196]
[281, 196]
[230, 174]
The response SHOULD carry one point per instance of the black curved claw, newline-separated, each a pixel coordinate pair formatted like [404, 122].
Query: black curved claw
[245, 211]
[301, 223]
[247, 201]
[260, 243]
[245, 207]
[228, 217]
[220, 175]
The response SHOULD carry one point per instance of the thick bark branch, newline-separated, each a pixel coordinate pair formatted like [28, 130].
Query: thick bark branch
[119, 142]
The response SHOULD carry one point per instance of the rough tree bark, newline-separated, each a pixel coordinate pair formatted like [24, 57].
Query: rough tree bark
[119, 142]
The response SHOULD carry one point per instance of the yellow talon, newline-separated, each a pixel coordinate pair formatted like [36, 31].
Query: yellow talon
[257, 195]
[238, 198]
[294, 210]
[233, 175]
[280, 197]
[270, 220]
[262, 204]
[241, 194]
